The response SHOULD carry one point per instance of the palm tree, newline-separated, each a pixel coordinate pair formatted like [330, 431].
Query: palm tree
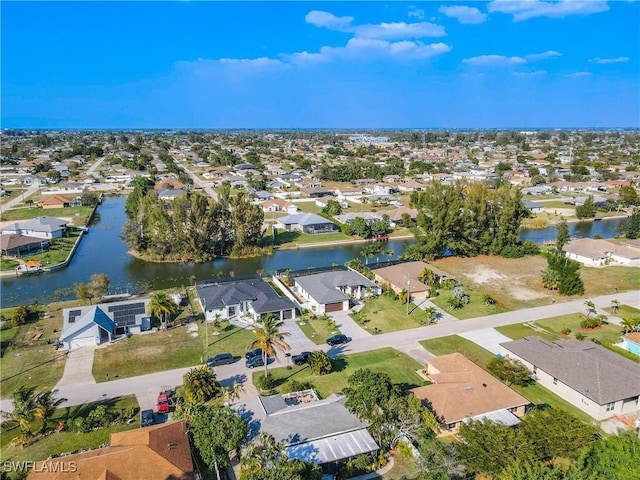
[260, 453]
[591, 307]
[630, 324]
[29, 405]
[160, 307]
[615, 305]
[233, 392]
[269, 339]
[46, 407]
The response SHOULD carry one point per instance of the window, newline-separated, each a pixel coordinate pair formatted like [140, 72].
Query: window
[611, 406]
[555, 381]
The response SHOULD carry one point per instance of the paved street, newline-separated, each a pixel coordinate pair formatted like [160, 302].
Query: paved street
[146, 387]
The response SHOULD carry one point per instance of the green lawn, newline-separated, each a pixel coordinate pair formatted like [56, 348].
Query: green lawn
[27, 354]
[521, 330]
[79, 215]
[58, 251]
[291, 239]
[389, 315]
[455, 343]
[8, 265]
[608, 333]
[624, 311]
[535, 393]
[400, 367]
[165, 350]
[317, 330]
[475, 308]
[68, 440]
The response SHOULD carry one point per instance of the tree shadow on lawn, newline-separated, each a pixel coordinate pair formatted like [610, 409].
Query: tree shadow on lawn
[223, 337]
[286, 237]
[84, 409]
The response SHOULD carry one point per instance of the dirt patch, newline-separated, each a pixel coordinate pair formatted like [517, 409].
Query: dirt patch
[513, 282]
[149, 351]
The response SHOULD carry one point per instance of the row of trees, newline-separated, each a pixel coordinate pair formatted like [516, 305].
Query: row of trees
[197, 228]
[468, 220]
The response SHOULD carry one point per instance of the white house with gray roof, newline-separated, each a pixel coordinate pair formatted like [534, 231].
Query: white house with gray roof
[331, 291]
[319, 431]
[243, 300]
[40, 227]
[309, 223]
[590, 377]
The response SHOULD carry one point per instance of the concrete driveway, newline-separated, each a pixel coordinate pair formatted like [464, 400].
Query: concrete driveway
[487, 338]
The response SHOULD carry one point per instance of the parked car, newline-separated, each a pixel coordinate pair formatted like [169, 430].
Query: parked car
[337, 339]
[146, 418]
[303, 357]
[256, 352]
[258, 361]
[220, 359]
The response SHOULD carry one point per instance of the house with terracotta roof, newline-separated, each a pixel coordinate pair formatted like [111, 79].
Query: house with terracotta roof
[278, 205]
[596, 380]
[55, 201]
[461, 391]
[160, 451]
[405, 276]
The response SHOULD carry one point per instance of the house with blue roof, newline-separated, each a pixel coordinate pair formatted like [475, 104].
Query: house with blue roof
[96, 324]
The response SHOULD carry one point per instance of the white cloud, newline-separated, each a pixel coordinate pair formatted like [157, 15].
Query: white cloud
[527, 9]
[367, 48]
[578, 74]
[328, 20]
[251, 62]
[416, 12]
[494, 61]
[536, 73]
[467, 15]
[607, 61]
[533, 57]
[399, 30]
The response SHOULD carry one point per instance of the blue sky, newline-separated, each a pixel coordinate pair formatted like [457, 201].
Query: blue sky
[500, 64]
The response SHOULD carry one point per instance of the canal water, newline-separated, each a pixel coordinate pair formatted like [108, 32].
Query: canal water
[103, 251]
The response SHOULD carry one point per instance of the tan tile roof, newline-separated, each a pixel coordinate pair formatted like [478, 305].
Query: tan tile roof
[462, 390]
[398, 275]
[160, 451]
[55, 199]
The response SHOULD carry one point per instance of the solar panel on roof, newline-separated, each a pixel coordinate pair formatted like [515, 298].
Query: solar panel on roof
[125, 315]
[73, 314]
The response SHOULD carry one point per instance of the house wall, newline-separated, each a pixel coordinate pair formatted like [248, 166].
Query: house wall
[88, 336]
[587, 405]
[597, 262]
[625, 261]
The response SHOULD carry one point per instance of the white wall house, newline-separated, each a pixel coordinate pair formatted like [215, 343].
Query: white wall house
[599, 382]
[40, 227]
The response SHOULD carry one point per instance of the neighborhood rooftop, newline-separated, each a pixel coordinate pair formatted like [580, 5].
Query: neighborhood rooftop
[324, 286]
[588, 368]
[262, 297]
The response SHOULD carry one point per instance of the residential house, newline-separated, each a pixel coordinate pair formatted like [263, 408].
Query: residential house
[405, 276]
[40, 227]
[396, 215]
[332, 291]
[317, 431]
[308, 223]
[169, 194]
[461, 391]
[596, 380]
[244, 300]
[631, 343]
[16, 245]
[368, 217]
[159, 451]
[278, 205]
[379, 188]
[97, 324]
[410, 186]
[262, 195]
[533, 207]
[323, 201]
[54, 201]
[344, 192]
[314, 192]
[600, 252]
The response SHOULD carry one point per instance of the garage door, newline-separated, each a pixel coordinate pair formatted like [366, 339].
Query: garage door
[333, 307]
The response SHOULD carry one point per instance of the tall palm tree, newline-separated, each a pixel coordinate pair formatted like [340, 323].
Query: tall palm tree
[29, 406]
[46, 406]
[591, 307]
[161, 307]
[615, 305]
[269, 339]
[630, 324]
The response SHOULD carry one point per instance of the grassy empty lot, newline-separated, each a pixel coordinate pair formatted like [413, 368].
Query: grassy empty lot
[400, 367]
[389, 315]
[475, 308]
[292, 239]
[26, 357]
[77, 215]
[624, 311]
[317, 330]
[68, 440]
[165, 350]
[533, 392]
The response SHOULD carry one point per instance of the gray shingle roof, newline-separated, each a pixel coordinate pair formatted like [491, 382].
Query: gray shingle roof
[586, 367]
[322, 431]
[262, 297]
[304, 219]
[323, 287]
[39, 224]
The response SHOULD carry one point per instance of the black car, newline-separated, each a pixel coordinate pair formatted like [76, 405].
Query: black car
[258, 361]
[337, 339]
[146, 418]
[303, 357]
[220, 359]
[256, 352]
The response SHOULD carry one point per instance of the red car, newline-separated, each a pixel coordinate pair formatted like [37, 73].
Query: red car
[164, 400]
